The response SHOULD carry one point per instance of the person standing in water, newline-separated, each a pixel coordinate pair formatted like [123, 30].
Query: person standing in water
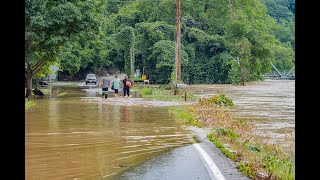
[126, 83]
[105, 84]
[116, 86]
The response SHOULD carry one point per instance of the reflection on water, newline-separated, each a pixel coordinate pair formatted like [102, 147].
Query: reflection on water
[68, 139]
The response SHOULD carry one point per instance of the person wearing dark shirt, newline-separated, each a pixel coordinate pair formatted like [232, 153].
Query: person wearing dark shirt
[126, 89]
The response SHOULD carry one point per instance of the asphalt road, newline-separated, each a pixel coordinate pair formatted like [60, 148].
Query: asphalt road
[197, 161]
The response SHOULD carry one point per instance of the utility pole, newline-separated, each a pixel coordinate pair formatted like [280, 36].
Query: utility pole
[178, 31]
[178, 45]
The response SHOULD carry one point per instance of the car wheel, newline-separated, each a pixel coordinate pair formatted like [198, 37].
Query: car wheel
[86, 82]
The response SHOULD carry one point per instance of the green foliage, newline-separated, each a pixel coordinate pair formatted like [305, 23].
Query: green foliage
[28, 104]
[226, 132]
[234, 74]
[284, 57]
[146, 91]
[219, 145]
[212, 63]
[251, 41]
[91, 56]
[254, 148]
[281, 167]
[280, 9]
[185, 117]
[222, 41]
[50, 25]
[283, 11]
[246, 169]
[247, 38]
[119, 46]
[220, 100]
[154, 39]
[163, 54]
[164, 92]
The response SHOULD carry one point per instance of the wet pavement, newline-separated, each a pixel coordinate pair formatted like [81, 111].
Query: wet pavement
[180, 163]
[187, 163]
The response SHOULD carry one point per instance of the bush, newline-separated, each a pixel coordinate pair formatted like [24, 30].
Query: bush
[28, 103]
[146, 91]
[219, 100]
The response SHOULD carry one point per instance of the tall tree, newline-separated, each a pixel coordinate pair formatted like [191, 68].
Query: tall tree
[250, 36]
[49, 25]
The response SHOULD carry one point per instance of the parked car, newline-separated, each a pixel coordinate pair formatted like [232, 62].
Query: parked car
[91, 78]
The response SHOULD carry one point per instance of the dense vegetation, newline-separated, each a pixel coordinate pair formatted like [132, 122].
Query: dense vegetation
[222, 41]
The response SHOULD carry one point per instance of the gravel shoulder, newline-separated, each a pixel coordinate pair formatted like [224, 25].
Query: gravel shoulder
[227, 167]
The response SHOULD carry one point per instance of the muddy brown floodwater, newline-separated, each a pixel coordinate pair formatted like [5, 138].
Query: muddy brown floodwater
[66, 138]
[76, 136]
[270, 103]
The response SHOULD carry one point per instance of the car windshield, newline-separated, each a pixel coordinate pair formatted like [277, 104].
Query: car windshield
[91, 75]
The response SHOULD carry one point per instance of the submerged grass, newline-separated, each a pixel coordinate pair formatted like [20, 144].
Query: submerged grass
[237, 140]
[163, 93]
[28, 104]
[186, 116]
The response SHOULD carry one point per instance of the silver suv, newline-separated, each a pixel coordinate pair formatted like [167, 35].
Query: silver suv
[91, 78]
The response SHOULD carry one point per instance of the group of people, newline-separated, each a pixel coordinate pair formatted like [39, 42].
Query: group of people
[115, 83]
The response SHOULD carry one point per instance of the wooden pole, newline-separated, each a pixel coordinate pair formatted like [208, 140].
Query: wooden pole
[177, 59]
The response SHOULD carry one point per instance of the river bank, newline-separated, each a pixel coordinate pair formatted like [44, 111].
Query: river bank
[236, 138]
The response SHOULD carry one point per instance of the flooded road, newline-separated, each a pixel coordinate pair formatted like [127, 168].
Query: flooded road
[66, 138]
[69, 137]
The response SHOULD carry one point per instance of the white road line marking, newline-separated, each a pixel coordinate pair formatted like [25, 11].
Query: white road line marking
[213, 167]
[109, 175]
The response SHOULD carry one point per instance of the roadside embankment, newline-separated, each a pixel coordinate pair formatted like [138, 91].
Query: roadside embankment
[255, 157]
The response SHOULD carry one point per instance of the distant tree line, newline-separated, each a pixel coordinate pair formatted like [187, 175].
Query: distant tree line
[223, 41]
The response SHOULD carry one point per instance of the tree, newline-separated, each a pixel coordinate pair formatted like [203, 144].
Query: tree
[119, 46]
[88, 53]
[284, 56]
[147, 34]
[250, 39]
[49, 26]
[162, 61]
[226, 41]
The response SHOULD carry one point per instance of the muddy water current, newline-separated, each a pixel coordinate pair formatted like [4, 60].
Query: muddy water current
[67, 138]
[80, 136]
[270, 104]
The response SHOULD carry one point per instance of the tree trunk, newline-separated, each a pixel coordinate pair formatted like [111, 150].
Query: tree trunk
[242, 72]
[242, 80]
[29, 82]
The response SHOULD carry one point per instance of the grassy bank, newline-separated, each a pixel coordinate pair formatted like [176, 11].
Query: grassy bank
[164, 93]
[28, 104]
[236, 138]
